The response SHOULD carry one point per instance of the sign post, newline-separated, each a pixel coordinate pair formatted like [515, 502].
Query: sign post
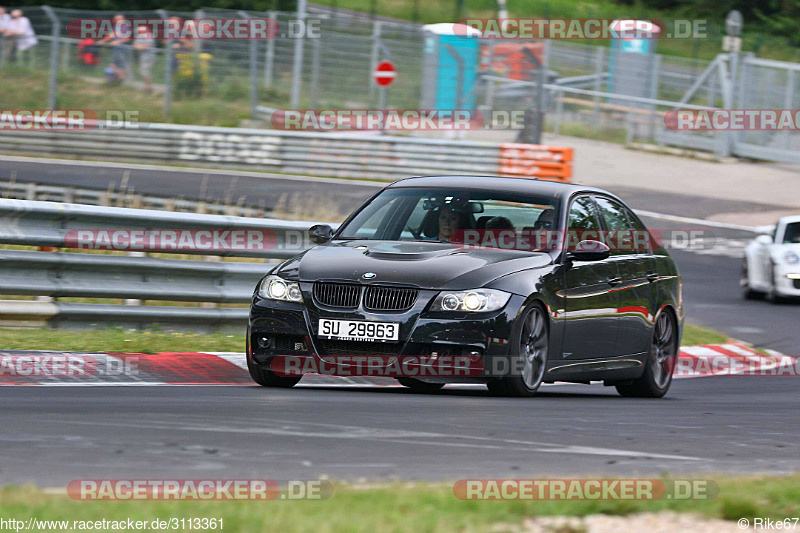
[384, 75]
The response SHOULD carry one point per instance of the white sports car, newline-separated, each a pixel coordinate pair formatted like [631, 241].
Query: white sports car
[771, 264]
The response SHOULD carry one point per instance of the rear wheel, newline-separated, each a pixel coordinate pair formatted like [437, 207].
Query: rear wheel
[661, 361]
[531, 342]
[417, 385]
[267, 378]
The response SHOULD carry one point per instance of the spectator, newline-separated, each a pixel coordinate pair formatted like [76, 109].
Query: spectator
[145, 44]
[5, 42]
[21, 33]
[186, 43]
[118, 40]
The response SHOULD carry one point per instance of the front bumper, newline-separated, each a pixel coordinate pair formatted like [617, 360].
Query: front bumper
[787, 280]
[438, 345]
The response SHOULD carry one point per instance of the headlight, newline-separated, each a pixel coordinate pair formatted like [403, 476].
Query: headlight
[474, 300]
[275, 288]
[791, 257]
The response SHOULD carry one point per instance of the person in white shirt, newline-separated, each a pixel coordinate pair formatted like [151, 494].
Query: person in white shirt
[6, 43]
[21, 31]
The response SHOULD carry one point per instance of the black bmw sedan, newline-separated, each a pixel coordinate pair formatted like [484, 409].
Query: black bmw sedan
[504, 281]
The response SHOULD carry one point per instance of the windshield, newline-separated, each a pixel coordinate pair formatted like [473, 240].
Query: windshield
[451, 215]
[792, 233]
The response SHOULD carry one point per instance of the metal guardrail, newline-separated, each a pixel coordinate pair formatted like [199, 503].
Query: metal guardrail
[96, 275]
[35, 223]
[379, 157]
[63, 274]
[79, 195]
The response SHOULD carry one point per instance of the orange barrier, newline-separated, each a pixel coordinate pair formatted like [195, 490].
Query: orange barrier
[510, 61]
[535, 161]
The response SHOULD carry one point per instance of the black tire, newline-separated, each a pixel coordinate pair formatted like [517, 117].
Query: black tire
[532, 344]
[421, 387]
[661, 360]
[744, 283]
[773, 295]
[268, 378]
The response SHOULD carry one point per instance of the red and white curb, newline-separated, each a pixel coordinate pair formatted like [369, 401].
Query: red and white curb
[225, 368]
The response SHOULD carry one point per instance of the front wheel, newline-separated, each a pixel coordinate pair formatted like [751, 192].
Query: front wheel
[267, 378]
[531, 343]
[744, 283]
[661, 361]
[773, 295]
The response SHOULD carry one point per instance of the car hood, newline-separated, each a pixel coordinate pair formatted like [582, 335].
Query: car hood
[425, 265]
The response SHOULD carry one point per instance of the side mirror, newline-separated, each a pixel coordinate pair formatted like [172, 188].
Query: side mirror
[589, 251]
[320, 233]
[764, 239]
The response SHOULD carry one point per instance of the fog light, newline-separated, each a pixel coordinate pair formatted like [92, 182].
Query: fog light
[263, 342]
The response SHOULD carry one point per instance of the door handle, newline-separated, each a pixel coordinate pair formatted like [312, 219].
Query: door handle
[651, 276]
[614, 281]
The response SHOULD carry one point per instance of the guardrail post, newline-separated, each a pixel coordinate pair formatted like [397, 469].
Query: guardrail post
[655, 72]
[253, 72]
[599, 56]
[167, 69]
[297, 69]
[133, 301]
[269, 60]
[56, 39]
[374, 56]
[315, 66]
[787, 104]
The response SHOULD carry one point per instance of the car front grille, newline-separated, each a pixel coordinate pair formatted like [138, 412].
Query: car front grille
[342, 295]
[389, 298]
[376, 298]
[333, 347]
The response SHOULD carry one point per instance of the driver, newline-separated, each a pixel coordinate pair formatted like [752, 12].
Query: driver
[449, 222]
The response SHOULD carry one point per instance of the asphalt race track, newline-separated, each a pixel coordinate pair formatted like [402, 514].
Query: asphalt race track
[52, 435]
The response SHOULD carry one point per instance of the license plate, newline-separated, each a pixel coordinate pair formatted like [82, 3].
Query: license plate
[357, 330]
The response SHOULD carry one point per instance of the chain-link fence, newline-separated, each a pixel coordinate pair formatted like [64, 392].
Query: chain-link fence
[325, 59]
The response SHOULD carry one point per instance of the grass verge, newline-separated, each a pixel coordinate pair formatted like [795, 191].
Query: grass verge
[406, 507]
[118, 340]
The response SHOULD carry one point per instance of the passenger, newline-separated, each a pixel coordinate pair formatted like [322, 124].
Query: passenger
[546, 219]
[499, 223]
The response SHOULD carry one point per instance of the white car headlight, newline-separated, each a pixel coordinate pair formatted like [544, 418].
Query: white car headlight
[276, 288]
[791, 257]
[473, 300]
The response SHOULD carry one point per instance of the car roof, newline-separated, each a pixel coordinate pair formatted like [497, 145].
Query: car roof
[500, 184]
[789, 220]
